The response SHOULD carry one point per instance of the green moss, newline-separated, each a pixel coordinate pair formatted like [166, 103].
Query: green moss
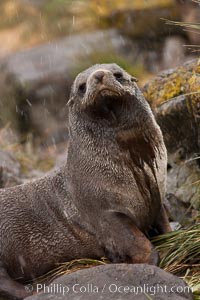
[183, 80]
[193, 90]
[195, 202]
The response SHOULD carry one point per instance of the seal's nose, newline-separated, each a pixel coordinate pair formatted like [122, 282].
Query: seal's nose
[99, 75]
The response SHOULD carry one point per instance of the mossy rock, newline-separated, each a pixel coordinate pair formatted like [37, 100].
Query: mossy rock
[174, 95]
[184, 80]
[141, 19]
[33, 80]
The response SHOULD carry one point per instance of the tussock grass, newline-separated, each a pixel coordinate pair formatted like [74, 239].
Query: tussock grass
[180, 250]
[180, 255]
[70, 267]
[188, 26]
[193, 280]
[184, 24]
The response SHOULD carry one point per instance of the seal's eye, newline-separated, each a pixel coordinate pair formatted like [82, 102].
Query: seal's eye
[82, 88]
[118, 75]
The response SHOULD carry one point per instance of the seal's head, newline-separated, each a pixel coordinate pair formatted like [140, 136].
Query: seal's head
[102, 90]
[107, 95]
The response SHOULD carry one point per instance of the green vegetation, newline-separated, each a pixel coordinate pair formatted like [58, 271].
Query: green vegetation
[184, 80]
[180, 250]
[180, 253]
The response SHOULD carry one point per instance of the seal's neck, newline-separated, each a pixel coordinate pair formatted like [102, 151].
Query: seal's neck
[137, 124]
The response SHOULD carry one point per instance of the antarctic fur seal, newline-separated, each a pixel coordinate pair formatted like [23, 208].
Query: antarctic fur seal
[104, 200]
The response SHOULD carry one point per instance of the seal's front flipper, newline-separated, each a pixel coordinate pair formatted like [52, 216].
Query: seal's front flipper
[125, 243]
[161, 225]
[10, 288]
[143, 250]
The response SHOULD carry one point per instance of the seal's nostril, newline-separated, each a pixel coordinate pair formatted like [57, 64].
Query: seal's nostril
[99, 75]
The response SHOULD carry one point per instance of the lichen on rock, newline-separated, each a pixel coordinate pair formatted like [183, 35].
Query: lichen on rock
[174, 82]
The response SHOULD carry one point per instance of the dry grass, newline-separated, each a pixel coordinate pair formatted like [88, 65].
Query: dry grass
[180, 250]
[70, 267]
[26, 151]
[193, 280]
[193, 27]
[180, 253]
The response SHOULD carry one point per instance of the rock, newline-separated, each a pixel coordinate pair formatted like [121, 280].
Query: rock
[34, 80]
[182, 141]
[173, 52]
[175, 226]
[9, 170]
[174, 96]
[183, 183]
[119, 282]
[178, 211]
[145, 20]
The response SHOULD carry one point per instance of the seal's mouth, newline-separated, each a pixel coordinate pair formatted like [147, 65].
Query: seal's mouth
[108, 104]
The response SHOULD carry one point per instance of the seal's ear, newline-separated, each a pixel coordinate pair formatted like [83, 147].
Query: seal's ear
[134, 79]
